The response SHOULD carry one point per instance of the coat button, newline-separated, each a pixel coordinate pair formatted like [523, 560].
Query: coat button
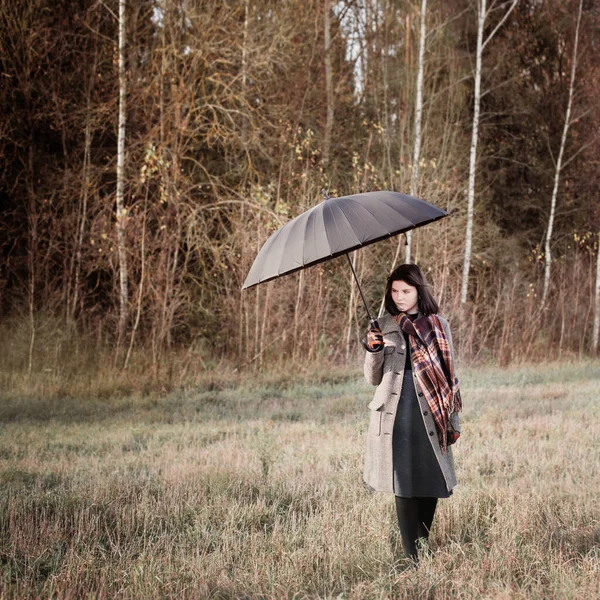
[431, 433]
[402, 347]
[425, 413]
[420, 394]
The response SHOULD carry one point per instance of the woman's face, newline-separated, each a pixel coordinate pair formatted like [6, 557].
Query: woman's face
[405, 297]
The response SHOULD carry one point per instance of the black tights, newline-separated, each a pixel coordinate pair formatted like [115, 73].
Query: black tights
[415, 516]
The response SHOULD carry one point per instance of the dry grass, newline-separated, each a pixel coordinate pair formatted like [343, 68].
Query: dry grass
[256, 492]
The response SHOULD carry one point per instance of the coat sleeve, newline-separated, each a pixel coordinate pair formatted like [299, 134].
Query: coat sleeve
[454, 418]
[373, 367]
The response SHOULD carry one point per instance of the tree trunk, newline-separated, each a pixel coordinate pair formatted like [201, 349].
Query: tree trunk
[473, 154]
[244, 132]
[481, 44]
[596, 329]
[328, 83]
[85, 191]
[141, 286]
[121, 212]
[296, 348]
[563, 140]
[32, 251]
[414, 181]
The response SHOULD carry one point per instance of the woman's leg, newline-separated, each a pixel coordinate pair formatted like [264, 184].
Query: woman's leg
[408, 520]
[426, 512]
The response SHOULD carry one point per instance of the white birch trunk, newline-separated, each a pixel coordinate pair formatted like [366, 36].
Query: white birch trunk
[596, 330]
[297, 315]
[141, 289]
[328, 83]
[121, 213]
[563, 140]
[85, 195]
[33, 231]
[481, 44]
[473, 153]
[76, 264]
[414, 182]
[245, 71]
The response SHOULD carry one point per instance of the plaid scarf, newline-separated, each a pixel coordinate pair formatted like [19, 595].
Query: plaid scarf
[434, 370]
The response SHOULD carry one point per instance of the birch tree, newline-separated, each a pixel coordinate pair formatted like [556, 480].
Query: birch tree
[120, 205]
[483, 12]
[328, 82]
[596, 330]
[414, 182]
[559, 163]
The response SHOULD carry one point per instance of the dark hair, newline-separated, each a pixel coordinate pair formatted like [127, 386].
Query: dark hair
[412, 275]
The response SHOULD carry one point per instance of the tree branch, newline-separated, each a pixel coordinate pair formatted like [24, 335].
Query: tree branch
[489, 37]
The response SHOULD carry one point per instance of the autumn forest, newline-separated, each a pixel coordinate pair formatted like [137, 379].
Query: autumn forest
[150, 147]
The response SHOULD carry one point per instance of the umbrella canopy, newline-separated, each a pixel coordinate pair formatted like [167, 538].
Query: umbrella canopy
[337, 226]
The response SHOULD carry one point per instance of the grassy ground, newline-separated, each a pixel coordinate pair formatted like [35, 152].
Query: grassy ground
[255, 492]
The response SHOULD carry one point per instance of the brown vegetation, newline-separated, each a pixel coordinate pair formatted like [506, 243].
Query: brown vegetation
[238, 113]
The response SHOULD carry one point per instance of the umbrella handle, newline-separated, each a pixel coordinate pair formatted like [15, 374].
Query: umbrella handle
[374, 323]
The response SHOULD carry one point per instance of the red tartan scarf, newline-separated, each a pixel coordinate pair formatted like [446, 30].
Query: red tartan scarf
[434, 370]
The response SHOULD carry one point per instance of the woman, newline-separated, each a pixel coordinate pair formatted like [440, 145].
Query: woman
[414, 413]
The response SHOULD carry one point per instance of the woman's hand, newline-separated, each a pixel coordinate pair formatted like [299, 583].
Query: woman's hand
[374, 339]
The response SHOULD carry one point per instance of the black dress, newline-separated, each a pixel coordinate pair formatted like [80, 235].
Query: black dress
[416, 469]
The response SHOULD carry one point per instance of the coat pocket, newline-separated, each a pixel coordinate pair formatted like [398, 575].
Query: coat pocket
[375, 422]
[377, 402]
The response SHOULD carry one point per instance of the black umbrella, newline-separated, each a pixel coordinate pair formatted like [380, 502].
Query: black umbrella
[337, 226]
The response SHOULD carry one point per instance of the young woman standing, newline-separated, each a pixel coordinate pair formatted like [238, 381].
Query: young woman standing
[414, 413]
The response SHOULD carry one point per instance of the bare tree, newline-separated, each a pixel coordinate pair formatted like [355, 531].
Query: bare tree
[482, 14]
[120, 204]
[328, 82]
[596, 330]
[414, 181]
[559, 163]
[76, 259]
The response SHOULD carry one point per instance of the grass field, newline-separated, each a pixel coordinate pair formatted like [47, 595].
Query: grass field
[255, 491]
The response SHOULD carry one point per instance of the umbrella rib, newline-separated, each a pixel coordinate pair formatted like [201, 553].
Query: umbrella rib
[341, 209]
[272, 241]
[389, 232]
[296, 228]
[336, 223]
[351, 208]
[323, 206]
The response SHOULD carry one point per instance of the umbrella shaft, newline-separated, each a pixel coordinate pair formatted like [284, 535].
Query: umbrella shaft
[360, 289]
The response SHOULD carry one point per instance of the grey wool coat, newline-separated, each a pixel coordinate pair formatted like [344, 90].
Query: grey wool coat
[385, 369]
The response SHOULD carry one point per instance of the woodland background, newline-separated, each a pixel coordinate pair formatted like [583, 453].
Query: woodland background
[129, 253]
